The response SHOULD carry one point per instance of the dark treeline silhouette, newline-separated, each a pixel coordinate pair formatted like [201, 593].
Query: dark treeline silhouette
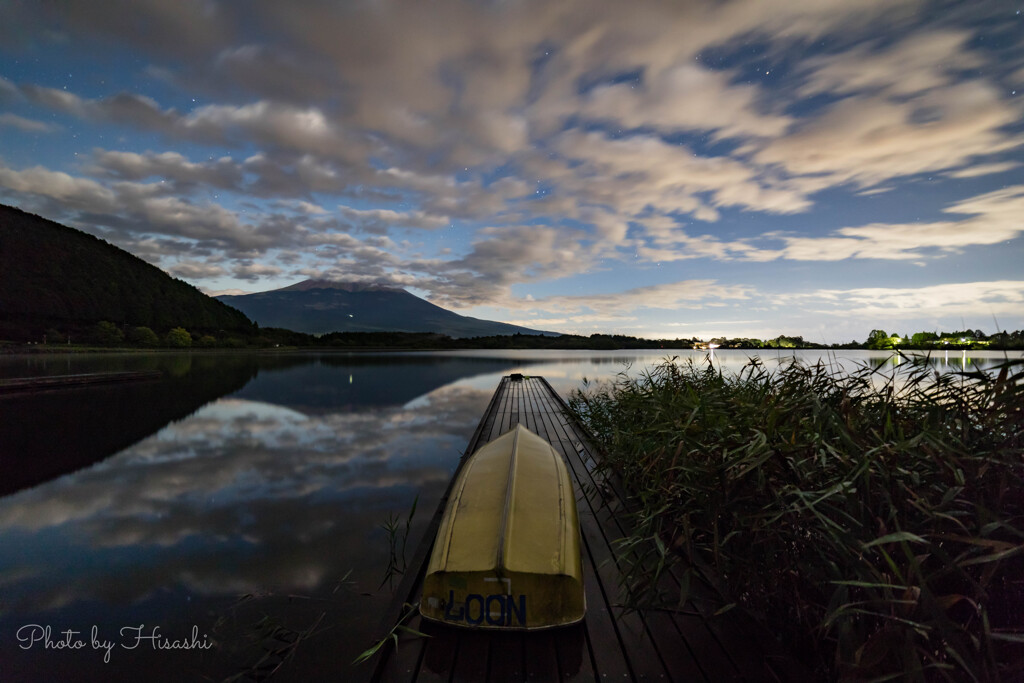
[63, 281]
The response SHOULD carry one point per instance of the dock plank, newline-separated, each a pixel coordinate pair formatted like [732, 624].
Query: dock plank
[648, 654]
[613, 643]
[474, 650]
[707, 655]
[540, 658]
[575, 654]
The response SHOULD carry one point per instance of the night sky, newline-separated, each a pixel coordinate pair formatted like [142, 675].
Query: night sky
[659, 169]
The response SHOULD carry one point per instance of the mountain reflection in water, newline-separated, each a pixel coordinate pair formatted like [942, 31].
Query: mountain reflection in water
[237, 491]
[268, 500]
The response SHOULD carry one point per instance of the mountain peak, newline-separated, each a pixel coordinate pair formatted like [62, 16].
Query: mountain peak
[307, 285]
[323, 306]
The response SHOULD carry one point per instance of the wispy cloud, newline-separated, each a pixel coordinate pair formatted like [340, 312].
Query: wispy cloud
[1002, 298]
[475, 150]
[25, 125]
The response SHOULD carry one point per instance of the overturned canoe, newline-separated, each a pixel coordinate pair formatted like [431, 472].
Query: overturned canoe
[507, 553]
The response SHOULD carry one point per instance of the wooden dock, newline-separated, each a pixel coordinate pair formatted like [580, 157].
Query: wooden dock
[50, 382]
[613, 643]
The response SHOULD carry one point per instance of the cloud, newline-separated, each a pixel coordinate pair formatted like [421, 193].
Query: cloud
[503, 256]
[905, 109]
[1002, 298]
[913, 66]
[626, 311]
[135, 110]
[380, 220]
[686, 97]
[276, 125]
[670, 296]
[255, 271]
[999, 210]
[221, 173]
[635, 172]
[196, 271]
[994, 219]
[287, 176]
[975, 171]
[273, 125]
[329, 76]
[71, 191]
[8, 90]
[188, 29]
[137, 208]
[171, 231]
[568, 321]
[306, 208]
[275, 73]
[668, 241]
[554, 139]
[25, 125]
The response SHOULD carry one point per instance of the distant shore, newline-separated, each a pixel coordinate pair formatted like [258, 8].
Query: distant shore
[105, 336]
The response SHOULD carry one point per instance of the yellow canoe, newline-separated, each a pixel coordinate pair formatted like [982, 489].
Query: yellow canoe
[507, 553]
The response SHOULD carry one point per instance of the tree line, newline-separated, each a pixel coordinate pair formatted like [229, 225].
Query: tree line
[109, 334]
[958, 339]
[55, 277]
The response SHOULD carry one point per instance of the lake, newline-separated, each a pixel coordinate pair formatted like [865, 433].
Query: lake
[242, 497]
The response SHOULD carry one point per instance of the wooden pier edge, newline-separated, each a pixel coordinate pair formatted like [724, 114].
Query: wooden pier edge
[21, 385]
[613, 643]
[776, 663]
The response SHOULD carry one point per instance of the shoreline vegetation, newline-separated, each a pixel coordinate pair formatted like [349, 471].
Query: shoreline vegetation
[875, 523]
[105, 335]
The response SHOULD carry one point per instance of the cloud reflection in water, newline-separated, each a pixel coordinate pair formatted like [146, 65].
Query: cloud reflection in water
[242, 497]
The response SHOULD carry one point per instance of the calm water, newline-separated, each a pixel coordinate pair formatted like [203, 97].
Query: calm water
[237, 491]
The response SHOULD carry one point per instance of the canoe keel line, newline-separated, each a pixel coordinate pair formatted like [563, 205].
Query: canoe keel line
[507, 552]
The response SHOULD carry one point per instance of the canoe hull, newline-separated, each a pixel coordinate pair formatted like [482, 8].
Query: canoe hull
[507, 553]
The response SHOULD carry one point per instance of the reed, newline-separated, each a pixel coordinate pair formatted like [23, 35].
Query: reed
[397, 535]
[874, 522]
[408, 610]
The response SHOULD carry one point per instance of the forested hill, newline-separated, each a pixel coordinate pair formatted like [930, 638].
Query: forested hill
[55, 277]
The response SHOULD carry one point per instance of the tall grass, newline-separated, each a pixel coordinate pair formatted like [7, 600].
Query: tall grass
[875, 523]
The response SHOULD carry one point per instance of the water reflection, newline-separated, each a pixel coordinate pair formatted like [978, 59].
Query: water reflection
[98, 421]
[360, 381]
[274, 491]
[47, 434]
